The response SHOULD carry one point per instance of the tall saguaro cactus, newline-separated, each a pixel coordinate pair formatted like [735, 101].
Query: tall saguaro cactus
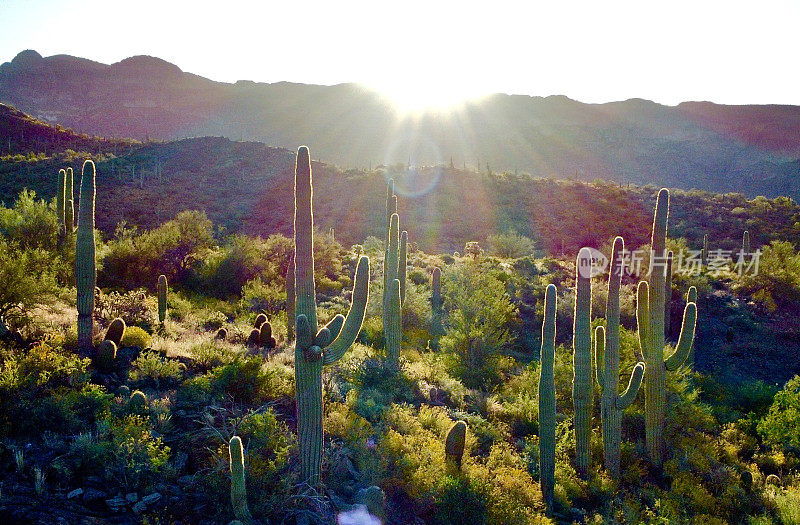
[437, 312]
[61, 202]
[315, 348]
[606, 354]
[85, 270]
[162, 298]
[582, 360]
[547, 399]
[69, 202]
[393, 293]
[650, 320]
[238, 487]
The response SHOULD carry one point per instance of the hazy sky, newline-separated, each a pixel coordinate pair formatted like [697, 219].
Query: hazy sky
[434, 51]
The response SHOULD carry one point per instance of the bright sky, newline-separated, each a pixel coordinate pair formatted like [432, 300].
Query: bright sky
[433, 52]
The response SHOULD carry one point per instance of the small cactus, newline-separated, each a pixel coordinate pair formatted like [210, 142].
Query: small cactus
[265, 338]
[222, 334]
[746, 242]
[254, 339]
[105, 354]
[137, 402]
[547, 399]
[454, 445]
[238, 488]
[116, 331]
[162, 298]
[260, 319]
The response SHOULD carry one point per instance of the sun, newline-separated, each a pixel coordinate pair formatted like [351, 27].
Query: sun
[414, 95]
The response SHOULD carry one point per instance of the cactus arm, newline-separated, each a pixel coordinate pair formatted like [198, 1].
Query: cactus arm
[330, 331]
[685, 340]
[691, 295]
[642, 318]
[627, 398]
[401, 266]
[389, 194]
[547, 399]
[238, 487]
[599, 355]
[355, 317]
[668, 296]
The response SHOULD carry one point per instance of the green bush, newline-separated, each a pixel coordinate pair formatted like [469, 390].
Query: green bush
[150, 369]
[135, 336]
[135, 307]
[781, 426]
[30, 224]
[509, 245]
[28, 280]
[257, 296]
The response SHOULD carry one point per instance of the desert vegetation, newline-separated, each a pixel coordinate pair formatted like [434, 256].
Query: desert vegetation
[179, 373]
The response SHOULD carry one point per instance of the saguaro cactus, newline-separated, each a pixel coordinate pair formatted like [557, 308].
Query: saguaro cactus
[668, 297]
[746, 242]
[650, 320]
[606, 353]
[162, 298]
[85, 274]
[454, 445]
[60, 201]
[238, 487]
[313, 348]
[582, 360]
[69, 202]
[437, 313]
[547, 399]
[704, 251]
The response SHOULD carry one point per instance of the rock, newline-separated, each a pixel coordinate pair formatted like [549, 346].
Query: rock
[132, 497]
[139, 508]
[91, 495]
[75, 493]
[151, 498]
[185, 481]
[116, 504]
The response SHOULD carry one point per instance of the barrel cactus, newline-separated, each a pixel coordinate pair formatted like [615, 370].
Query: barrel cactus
[265, 338]
[547, 399]
[454, 445]
[238, 487]
[650, 321]
[582, 360]
[260, 319]
[162, 298]
[116, 331]
[316, 347]
[85, 269]
[105, 354]
[606, 352]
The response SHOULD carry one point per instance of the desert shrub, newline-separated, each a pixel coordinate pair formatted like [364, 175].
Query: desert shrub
[134, 259]
[139, 458]
[135, 307]
[509, 245]
[27, 280]
[213, 321]
[777, 283]
[458, 501]
[209, 354]
[31, 224]
[787, 503]
[257, 296]
[135, 336]
[156, 371]
[243, 380]
[781, 426]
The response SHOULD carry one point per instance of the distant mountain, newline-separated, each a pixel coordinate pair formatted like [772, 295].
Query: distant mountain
[749, 149]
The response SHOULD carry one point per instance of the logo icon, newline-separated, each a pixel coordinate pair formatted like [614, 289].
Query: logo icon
[588, 268]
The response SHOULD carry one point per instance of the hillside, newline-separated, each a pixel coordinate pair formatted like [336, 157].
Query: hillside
[749, 149]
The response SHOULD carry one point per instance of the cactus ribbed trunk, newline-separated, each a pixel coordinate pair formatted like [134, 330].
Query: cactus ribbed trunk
[61, 202]
[69, 202]
[238, 486]
[582, 361]
[655, 381]
[85, 269]
[401, 265]
[313, 348]
[547, 399]
[290, 297]
[437, 314]
[393, 330]
[668, 298]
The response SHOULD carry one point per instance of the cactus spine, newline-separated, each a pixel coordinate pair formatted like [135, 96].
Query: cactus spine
[238, 488]
[437, 314]
[162, 298]
[313, 348]
[454, 445]
[606, 354]
[650, 320]
[746, 242]
[582, 360]
[116, 331]
[85, 275]
[547, 399]
[69, 202]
